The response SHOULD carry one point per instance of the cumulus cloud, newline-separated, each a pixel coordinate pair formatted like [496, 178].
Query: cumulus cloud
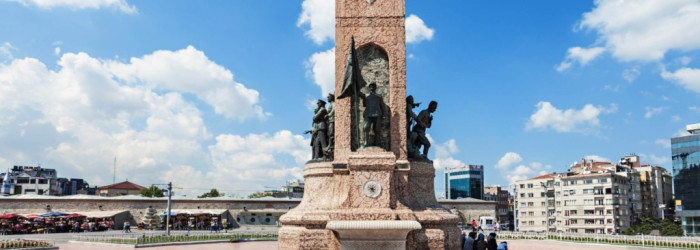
[319, 17]
[522, 172]
[6, 51]
[631, 74]
[443, 154]
[549, 117]
[666, 143]
[189, 70]
[83, 112]
[579, 55]
[508, 159]
[596, 158]
[416, 30]
[651, 111]
[655, 160]
[644, 30]
[688, 78]
[321, 66]
[120, 5]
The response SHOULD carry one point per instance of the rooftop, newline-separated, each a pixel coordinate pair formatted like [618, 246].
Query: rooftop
[123, 185]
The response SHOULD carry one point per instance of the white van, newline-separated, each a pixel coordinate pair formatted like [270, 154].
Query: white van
[487, 222]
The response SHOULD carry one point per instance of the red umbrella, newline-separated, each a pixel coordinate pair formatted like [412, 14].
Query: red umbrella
[70, 216]
[31, 216]
[10, 216]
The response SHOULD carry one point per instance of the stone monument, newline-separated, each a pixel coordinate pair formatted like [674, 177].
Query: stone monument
[370, 197]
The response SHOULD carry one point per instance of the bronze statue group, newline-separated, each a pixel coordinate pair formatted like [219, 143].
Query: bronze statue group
[323, 126]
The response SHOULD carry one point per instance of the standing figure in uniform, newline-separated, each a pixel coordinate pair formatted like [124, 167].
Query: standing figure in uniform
[330, 119]
[374, 112]
[318, 131]
[424, 121]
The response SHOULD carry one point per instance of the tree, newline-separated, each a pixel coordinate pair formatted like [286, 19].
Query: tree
[260, 195]
[665, 227]
[152, 191]
[212, 193]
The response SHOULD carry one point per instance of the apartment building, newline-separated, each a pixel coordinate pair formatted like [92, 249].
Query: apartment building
[593, 197]
[500, 196]
[30, 180]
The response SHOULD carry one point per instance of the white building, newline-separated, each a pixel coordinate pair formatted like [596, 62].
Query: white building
[32, 180]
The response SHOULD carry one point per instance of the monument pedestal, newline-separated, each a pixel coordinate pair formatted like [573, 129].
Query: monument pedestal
[372, 196]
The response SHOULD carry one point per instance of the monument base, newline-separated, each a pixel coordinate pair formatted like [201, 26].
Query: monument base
[381, 235]
[399, 192]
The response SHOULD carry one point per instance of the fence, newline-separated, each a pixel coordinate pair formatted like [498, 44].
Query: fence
[156, 238]
[637, 240]
[26, 243]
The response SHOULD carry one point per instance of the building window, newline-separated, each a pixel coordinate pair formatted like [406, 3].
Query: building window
[558, 193]
[530, 195]
[588, 181]
[522, 185]
[531, 213]
[588, 191]
[572, 192]
[530, 204]
[572, 182]
[529, 185]
[522, 195]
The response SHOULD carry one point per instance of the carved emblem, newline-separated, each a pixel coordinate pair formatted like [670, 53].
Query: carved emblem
[372, 189]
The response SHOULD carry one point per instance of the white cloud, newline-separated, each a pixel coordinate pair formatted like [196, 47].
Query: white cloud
[663, 142]
[651, 111]
[321, 66]
[655, 160]
[631, 74]
[416, 30]
[508, 159]
[596, 158]
[85, 111]
[6, 51]
[547, 116]
[319, 16]
[579, 55]
[684, 60]
[522, 172]
[120, 5]
[57, 51]
[681, 132]
[688, 78]
[676, 118]
[189, 70]
[443, 154]
[645, 30]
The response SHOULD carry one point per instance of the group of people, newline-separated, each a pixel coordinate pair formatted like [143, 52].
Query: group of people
[496, 227]
[53, 225]
[472, 242]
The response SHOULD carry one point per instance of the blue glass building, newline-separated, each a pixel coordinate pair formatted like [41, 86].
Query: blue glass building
[685, 152]
[465, 181]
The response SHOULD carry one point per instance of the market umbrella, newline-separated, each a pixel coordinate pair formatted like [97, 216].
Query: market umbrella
[10, 216]
[164, 213]
[70, 216]
[49, 214]
[31, 216]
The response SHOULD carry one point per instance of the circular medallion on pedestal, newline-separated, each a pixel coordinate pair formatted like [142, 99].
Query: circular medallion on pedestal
[372, 189]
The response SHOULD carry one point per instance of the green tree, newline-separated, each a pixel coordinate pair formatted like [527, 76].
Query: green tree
[152, 191]
[665, 227]
[260, 195]
[669, 228]
[212, 193]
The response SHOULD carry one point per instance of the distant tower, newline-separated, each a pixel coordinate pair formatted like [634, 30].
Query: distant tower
[6, 187]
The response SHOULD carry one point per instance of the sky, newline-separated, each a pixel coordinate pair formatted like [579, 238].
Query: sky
[217, 94]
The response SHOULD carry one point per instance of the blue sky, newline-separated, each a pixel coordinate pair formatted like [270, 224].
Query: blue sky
[217, 94]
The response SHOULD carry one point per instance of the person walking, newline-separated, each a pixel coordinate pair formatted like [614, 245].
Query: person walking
[469, 241]
[473, 225]
[480, 244]
[491, 242]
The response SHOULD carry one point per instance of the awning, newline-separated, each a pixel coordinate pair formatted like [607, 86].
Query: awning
[101, 214]
[11, 216]
[53, 214]
[198, 211]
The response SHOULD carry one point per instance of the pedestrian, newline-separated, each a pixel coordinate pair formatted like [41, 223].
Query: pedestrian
[463, 239]
[503, 246]
[497, 227]
[469, 241]
[474, 225]
[127, 227]
[491, 242]
[480, 244]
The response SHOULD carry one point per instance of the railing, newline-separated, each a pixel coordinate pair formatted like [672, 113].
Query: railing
[159, 238]
[26, 243]
[637, 240]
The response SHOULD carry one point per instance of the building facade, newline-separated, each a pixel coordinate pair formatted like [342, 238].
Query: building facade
[466, 181]
[685, 153]
[500, 196]
[593, 197]
[119, 189]
[31, 180]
